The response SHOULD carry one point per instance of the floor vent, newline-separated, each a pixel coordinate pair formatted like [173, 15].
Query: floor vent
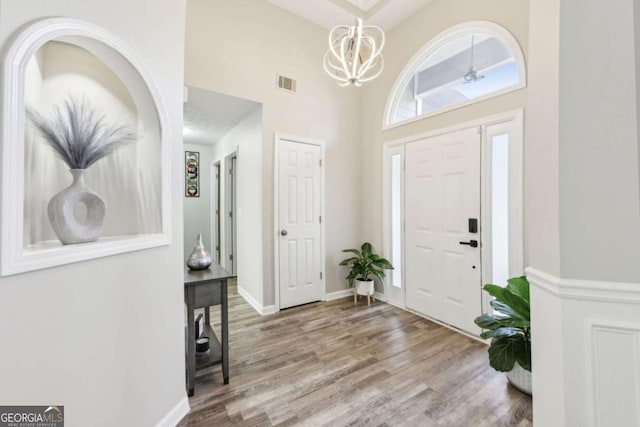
[286, 83]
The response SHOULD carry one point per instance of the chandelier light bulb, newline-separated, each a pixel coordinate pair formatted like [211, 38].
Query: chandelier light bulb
[355, 53]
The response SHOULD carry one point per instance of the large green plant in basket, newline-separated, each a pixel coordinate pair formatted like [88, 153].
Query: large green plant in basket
[509, 326]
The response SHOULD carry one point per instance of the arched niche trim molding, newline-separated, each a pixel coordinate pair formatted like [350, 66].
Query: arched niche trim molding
[15, 256]
[432, 46]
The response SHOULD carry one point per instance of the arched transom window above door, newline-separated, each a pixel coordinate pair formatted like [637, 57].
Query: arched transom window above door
[465, 64]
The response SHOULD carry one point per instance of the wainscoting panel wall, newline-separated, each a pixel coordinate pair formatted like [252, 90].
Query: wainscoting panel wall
[596, 325]
[613, 373]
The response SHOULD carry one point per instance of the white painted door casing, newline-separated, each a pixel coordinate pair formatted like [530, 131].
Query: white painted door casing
[230, 214]
[393, 232]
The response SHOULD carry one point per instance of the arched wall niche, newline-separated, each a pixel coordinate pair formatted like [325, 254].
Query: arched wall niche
[45, 63]
[440, 72]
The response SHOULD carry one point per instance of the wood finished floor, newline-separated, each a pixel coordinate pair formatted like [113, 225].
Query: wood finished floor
[338, 364]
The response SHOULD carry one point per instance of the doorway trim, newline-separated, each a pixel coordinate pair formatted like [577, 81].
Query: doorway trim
[230, 205]
[278, 138]
[515, 197]
[396, 297]
[388, 147]
[215, 209]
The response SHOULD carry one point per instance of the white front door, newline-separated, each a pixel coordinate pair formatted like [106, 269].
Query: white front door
[442, 193]
[299, 219]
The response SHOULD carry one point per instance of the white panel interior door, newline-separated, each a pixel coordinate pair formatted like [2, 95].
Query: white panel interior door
[442, 191]
[299, 223]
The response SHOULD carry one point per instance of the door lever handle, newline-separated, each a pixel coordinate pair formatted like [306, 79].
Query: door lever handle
[472, 243]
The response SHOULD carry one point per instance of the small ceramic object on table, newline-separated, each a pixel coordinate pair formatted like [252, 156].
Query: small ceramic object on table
[200, 258]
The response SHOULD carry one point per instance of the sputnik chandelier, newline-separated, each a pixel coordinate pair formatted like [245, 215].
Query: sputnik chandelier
[355, 53]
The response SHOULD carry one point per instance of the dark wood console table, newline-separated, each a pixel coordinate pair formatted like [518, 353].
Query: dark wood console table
[202, 289]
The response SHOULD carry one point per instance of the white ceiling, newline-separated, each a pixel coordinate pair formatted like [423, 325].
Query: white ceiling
[329, 13]
[208, 116]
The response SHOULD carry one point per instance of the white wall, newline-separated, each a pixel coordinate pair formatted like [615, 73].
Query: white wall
[598, 142]
[542, 223]
[582, 141]
[237, 48]
[245, 139]
[104, 337]
[197, 210]
[636, 25]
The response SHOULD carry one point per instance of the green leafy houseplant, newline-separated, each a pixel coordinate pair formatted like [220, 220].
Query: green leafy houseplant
[364, 264]
[509, 327]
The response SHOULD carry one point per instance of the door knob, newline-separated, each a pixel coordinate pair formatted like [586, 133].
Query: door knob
[284, 232]
[472, 243]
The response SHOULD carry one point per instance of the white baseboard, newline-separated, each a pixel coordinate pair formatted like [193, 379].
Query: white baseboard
[348, 293]
[330, 296]
[262, 310]
[395, 304]
[269, 309]
[176, 414]
[251, 300]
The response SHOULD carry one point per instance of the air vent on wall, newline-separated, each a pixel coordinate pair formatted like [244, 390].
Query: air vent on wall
[286, 83]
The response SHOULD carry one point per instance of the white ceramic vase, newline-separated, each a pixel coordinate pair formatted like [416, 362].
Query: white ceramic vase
[520, 378]
[67, 227]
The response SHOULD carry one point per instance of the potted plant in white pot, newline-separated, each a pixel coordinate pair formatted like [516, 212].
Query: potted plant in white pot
[509, 328]
[365, 265]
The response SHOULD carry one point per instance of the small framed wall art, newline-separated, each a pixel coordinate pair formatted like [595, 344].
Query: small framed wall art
[192, 173]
